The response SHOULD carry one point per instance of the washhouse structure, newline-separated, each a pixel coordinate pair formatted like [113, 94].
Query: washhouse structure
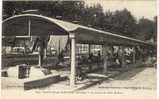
[27, 25]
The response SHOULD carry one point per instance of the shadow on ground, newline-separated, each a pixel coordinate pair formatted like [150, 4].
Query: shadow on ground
[126, 75]
[129, 74]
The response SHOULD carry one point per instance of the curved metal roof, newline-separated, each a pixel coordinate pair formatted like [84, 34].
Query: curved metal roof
[33, 24]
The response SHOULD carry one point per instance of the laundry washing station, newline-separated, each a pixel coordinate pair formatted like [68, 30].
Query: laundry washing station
[39, 28]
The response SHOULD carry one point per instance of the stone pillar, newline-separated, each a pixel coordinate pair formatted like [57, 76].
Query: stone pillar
[45, 47]
[59, 48]
[40, 56]
[134, 55]
[123, 64]
[42, 50]
[89, 49]
[45, 53]
[105, 59]
[73, 60]
[90, 56]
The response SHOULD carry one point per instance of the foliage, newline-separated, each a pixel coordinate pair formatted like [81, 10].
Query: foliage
[120, 22]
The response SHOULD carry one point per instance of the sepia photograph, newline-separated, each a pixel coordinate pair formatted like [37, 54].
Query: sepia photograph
[79, 49]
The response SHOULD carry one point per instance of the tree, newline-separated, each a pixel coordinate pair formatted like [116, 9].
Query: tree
[155, 29]
[120, 22]
[123, 22]
[145, 28]
[92, 16]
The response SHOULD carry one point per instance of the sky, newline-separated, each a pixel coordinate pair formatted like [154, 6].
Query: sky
[138, 8]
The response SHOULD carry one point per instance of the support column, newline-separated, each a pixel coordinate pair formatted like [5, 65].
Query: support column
[90, 57]
[122, 57]
[105, 59]
[59, 48]
[144, 54]
[45, 53]
[41, 50]
[45, 48]
[73, 60]
[89, 49]
[134, 55]
[40, 56]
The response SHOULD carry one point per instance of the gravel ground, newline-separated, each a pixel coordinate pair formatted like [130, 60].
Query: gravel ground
[138, 83]
[138, 77]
